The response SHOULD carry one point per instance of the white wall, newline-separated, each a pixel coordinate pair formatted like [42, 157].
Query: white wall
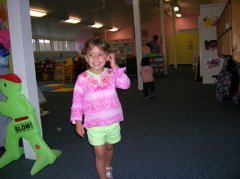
[207, 33]
[49, 27]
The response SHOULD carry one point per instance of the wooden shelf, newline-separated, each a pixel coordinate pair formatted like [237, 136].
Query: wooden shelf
[228, 28]
[45, 71]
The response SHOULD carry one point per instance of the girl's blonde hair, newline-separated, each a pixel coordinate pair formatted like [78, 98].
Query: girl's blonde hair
[99, 42]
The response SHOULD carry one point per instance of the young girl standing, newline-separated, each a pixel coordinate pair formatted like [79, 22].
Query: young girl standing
[96, 99]
[146, 71]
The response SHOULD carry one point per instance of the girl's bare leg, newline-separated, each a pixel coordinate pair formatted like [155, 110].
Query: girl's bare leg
[109, 154]
[100, 160]
[103, 155]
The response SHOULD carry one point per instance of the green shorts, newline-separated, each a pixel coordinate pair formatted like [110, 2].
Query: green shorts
[104, 134]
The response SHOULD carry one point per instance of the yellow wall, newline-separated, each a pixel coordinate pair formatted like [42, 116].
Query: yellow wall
[183, 41]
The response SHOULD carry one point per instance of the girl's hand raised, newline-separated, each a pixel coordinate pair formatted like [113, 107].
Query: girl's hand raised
[112, 59]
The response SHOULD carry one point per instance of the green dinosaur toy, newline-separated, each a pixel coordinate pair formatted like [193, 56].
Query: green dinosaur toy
[24, 124]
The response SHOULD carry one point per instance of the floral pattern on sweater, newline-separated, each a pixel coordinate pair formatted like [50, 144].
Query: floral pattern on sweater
[93, 83]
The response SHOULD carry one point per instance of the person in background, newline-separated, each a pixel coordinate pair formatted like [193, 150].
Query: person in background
[153, 45]
[95, 99]
[146, 71]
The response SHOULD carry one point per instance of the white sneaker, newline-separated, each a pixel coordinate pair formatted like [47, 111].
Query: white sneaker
[109, 172]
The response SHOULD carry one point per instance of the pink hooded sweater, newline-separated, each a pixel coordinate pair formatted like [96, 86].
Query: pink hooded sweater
[96, 100]
[147, 73]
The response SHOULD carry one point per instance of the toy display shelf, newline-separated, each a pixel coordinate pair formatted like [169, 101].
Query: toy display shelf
[45, 71]
[157, 63]
[124, 48]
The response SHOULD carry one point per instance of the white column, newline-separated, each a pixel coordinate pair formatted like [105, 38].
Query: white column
[22, 56]
[174, 37]
[163, 35]
[137, 25]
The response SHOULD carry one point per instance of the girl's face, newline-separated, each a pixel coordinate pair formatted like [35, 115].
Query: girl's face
[96, 59]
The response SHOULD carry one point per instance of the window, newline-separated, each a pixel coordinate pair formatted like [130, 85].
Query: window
[34, 43]
[57, 45]
[69, 45]
[44, 44]
[52, 45]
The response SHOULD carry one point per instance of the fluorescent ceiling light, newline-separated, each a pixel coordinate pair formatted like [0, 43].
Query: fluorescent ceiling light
[113, 29]
[72, 20]
[176, 8]
[96, 25]
[37, 13]
[179, 15]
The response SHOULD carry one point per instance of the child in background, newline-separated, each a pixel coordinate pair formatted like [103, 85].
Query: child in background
[95, 97]
[146, 71]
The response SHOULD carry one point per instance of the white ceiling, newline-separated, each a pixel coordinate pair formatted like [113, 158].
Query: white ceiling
[112, 13]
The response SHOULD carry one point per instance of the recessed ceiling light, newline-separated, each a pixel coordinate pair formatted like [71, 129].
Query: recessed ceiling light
[176, 8]
[72, 20]
[37, 13]
[96, 25]
[179, 15]
[113, 29]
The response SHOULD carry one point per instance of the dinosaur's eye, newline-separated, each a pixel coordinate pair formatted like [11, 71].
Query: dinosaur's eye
[5, 84]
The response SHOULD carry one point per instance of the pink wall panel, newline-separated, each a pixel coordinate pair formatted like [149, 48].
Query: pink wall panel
[187, 21]
[79, 43]
[125, 33]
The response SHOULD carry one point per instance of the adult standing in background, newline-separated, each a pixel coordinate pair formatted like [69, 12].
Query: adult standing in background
[153, 45]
